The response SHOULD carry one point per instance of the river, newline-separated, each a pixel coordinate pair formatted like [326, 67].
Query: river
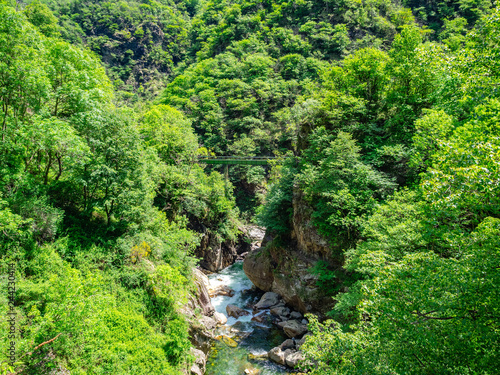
[253, 338]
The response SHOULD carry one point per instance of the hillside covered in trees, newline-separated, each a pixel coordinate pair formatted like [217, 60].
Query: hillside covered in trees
[383, 117]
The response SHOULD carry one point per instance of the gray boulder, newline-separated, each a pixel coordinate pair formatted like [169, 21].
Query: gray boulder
[260, 318]
[279, 356]
[235, 311]
[287, 344]
[293, 328]
[268, 300]
[221, 290]
[280, 311]
[293, 359]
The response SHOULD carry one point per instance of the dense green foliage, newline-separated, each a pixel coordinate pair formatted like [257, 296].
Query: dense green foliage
[237, 69]
[93, 215]
[426, 299]
[140, 42]
[255, 60]
[385, 121]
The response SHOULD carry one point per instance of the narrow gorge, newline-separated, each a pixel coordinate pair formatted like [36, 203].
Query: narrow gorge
[255, 318]
[258, 187]
[244, 329]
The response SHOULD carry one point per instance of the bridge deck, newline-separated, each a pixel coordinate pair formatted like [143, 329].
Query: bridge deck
[227, 160]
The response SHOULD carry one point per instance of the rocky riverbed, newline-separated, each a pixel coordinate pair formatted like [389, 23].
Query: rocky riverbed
[242, 329]
[257, 333]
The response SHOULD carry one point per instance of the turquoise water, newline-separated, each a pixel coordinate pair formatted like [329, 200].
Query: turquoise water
[253, 338]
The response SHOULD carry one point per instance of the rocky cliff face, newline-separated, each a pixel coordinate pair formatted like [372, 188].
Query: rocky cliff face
[286, 268]
[307, 238]
[215, 256]
[202, 322]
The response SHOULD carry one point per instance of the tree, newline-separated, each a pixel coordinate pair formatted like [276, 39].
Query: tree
[23, 81]
[170, 133]
[40, 16]
[52, 147]
[461, 186]
[78, 80]
[120, 177]
[340, 187]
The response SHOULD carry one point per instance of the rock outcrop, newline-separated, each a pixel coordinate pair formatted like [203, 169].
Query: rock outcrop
[220, 318]
[305, 234]
[285, 269]
[215, 256]
[202, 294]
[200, 314]
[198, 367]
[258, 267]
[287, 272]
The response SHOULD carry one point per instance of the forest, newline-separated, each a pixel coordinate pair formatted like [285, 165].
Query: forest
[383, 118]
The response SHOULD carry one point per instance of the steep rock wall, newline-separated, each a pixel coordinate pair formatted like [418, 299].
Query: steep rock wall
[215, 256]
[200, 315]
[285, 268]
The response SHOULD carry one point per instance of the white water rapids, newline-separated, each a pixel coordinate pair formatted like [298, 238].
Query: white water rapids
[252, 337]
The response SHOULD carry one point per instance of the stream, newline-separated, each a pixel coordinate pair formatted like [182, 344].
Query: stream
[252, 338]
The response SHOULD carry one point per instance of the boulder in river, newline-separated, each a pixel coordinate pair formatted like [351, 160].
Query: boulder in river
[293, 359]
[235, 311]
[296, 315]
[287, 344]
[279, 356]
[260, 318]
[293, 328]
[252, 371]
[268, 300]
[237, 327]
[280, 311]
[281, 324]
[227, 340]
[220, 318]
[257, 357]
[222, 290]
[288, 357]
